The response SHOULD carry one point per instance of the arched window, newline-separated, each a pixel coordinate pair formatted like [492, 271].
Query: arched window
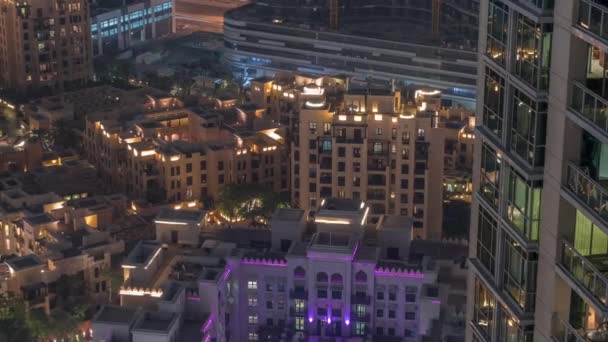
[322, 277]
[299, 272]
[361, 277]
[336, 278]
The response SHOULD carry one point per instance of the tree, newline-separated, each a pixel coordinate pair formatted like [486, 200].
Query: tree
[69, 289]
[248, 202]
[62, 135]
[13, 325]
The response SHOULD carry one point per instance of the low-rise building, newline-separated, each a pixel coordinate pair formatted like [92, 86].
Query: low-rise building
[371, 144]
[321, 283]
[186, 154]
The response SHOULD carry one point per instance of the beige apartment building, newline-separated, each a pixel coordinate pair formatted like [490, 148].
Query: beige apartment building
[187, 154]
[44, 45]
[43, 237]
[368, 145]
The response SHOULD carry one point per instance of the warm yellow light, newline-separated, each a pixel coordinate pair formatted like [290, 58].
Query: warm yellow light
[378, 117]
[141, 292]
[358, 118]
[342, 117]
[331, 221]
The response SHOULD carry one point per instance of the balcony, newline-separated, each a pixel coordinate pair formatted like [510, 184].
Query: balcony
[378, 152]
[564, 332]
[422, 150]
[362, 317]
[358, 299]
[295, 312]
[345, 140]
[589, 272]
[590, 192]
[298, 294]
[378, 166]
[593, 18]
[590, 107]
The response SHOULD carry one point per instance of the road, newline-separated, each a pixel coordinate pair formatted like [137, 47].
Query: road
[205, 15]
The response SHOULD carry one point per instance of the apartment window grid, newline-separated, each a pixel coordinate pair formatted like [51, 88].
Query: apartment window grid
[483, 309]
[486, 240]
[498, 32]
[490, 175]
[493, 102]
[528, 130]
[519, 275]
[533, 49]
[523, 205]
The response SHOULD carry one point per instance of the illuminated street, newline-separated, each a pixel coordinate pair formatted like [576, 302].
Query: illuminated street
[205, 15]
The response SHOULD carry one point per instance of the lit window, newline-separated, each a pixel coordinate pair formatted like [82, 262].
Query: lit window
[253, 301]
[253, 319]
[299, 323]
[253, 336]
[360, 329]
[299, 305]
[342, 117]
[358, 118]
[378, 117]
[252, 284]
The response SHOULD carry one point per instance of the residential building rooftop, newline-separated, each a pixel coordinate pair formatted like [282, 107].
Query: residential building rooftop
[181, 216]
[158, 322]
[115, 314]
[24, 262]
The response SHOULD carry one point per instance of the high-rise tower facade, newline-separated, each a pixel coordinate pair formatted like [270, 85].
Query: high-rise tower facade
[539, 232]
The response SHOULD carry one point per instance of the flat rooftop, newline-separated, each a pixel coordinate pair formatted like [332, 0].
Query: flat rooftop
[158, 322]
[395, 222]
[326, 242]
[331, 239]
[24, 262]
[341, 204]
[184, 216]
[115, 314]
[36, 220]
[143, 251]
[289, 214]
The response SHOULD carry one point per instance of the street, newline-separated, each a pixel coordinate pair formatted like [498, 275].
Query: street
[205, 15]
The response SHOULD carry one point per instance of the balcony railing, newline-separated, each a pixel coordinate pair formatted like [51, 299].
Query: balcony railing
[587, 190]
[358, 299]
[590, 106]
[298, 294]
[593, 17]
[583, 270]
[362, 318]
[295, 312]
[564, 332]
[343, 140]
